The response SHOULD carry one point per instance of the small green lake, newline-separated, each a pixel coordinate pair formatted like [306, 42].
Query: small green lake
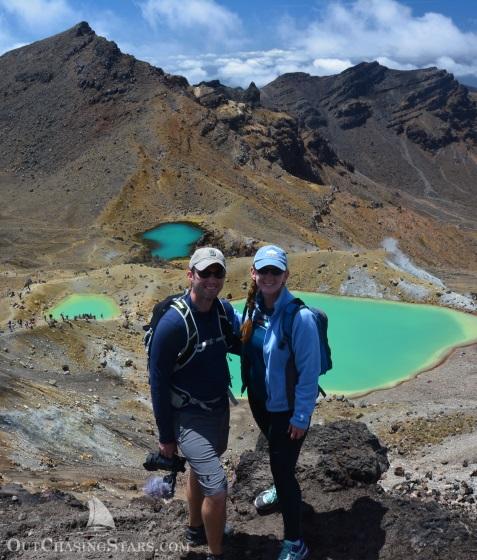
[174, 240]
[377, 344]
[96, 305]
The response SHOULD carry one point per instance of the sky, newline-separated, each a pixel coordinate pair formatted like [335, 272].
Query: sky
[252, 40]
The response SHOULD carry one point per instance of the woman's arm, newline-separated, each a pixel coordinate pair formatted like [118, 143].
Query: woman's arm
[306, 348]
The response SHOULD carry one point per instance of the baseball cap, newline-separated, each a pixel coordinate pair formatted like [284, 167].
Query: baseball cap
[205, 256]
[270, 255]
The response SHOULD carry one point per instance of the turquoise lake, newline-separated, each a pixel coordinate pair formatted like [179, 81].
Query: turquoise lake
[102, 307]
[377, 344]
[174, 240]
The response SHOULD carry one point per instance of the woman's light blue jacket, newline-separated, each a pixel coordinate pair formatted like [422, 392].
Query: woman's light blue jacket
[306, 347]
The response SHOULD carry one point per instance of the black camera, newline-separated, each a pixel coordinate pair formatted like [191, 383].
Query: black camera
[163, 487]
[157, 462]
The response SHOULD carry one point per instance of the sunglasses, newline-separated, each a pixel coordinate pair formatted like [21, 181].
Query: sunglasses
[270, 269]
[207, 273]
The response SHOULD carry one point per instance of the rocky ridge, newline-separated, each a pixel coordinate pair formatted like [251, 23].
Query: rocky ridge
[395, 127]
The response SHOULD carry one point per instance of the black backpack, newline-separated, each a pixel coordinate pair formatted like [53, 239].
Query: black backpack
[187, 353]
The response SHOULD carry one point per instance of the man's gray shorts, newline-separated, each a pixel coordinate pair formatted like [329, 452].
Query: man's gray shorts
[202, 437]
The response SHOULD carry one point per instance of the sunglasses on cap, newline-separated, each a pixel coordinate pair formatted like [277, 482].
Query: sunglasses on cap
[275, 271]
[207, 273]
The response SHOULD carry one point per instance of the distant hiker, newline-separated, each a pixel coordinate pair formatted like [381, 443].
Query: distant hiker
[189, 398]
[282, 407]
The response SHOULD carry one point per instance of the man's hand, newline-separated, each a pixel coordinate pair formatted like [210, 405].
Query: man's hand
[295, 433]
[168, 449]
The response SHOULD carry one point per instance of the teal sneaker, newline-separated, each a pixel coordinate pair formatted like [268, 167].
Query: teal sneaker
[266, 501]
[291, 551]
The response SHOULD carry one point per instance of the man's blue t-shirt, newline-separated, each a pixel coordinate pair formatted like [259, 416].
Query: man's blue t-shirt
[206, 377]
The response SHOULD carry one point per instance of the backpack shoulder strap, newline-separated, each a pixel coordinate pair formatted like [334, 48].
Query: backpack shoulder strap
[244, 313]
[226, 321]
[286, 324]
[192, 334]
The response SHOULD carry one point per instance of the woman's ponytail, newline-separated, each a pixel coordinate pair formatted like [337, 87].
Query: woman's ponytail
[247, 327]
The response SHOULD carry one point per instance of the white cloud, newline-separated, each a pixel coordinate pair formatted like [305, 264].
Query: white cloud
[241, 68]
[390, 63]
[220, 25]
[342, 35]
[193, 69]
[41, 14]
[459, 69]
[329, 66]
[386, 30]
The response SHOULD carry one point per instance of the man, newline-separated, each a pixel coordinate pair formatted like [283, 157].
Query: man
[190, 401]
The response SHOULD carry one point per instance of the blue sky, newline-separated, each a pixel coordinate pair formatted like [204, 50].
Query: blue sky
[238, 42]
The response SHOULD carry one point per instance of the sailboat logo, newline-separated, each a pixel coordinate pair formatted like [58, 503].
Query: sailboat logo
[99, 516]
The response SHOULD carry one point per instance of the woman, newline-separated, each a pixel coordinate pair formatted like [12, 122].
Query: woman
[282, 417]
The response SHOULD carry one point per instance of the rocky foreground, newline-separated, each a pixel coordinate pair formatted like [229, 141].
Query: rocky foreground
[76, 423]
[347, 515]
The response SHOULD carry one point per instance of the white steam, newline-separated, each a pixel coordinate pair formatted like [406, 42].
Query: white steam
[397, 259]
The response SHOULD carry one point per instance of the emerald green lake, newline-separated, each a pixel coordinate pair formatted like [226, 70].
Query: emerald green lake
[170, 241]
[102, 307]
[377, 344]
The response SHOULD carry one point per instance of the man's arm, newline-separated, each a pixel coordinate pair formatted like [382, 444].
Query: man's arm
[168, 340]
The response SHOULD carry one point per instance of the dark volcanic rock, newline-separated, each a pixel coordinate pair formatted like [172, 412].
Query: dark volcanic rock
[252, 95]
[353, 114]
[346, 515]
[429, 141]
[276, 137]
[213, 93]
[319, 150]
[339, 455]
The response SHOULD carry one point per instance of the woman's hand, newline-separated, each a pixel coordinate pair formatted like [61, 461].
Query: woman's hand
[295, 433]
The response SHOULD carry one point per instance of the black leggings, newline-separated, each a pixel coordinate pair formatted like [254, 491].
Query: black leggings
[284, 454]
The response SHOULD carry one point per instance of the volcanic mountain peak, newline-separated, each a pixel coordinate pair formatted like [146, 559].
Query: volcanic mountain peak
[409, 130]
